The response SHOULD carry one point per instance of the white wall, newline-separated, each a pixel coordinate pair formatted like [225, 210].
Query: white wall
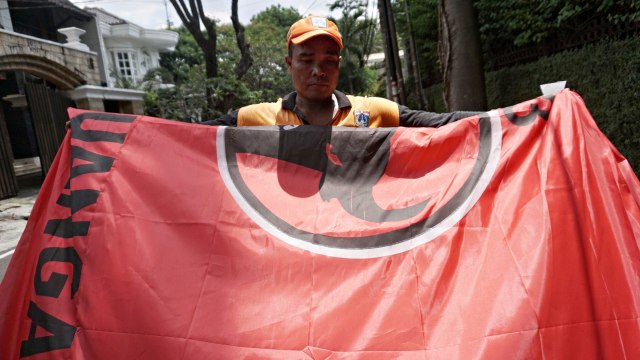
[5, 16]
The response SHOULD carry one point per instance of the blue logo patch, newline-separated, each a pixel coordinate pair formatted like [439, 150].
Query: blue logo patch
[362, 118]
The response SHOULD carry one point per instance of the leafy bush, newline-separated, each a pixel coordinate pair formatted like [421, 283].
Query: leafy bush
[605, 74]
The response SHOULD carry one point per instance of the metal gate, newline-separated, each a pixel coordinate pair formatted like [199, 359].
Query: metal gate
[49, 115]
[8, 181]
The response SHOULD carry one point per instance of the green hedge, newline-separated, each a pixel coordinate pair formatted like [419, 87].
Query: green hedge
[605, 74]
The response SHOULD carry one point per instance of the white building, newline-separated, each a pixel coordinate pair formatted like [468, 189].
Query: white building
[129, 51]
[54, 55]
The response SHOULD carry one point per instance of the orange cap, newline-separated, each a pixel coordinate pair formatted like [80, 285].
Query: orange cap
[312, 26]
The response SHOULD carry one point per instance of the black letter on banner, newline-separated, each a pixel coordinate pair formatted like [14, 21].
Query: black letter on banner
[97, 135]
[533, 114]
[53, 287]
[61, 338]
[67, 228]
[99, 163]
[78, 199]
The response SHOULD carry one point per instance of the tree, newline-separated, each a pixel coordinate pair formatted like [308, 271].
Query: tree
[413, 57]
[357, 28]
[245, 60]
[268, 78]
[508, 24]
[424, 31]
[395, 82]
[175, 65]
[176, 89]
[194, 19]
[184, 68]
[184, 101]
[277, 16]
[460, 56]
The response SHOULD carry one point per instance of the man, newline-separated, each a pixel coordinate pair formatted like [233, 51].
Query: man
[313, 62]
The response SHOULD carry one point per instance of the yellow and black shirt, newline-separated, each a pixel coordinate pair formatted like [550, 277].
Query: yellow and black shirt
[354, 111]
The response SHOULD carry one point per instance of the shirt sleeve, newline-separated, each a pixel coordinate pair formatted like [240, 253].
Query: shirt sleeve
[229, 119]
[421, 118]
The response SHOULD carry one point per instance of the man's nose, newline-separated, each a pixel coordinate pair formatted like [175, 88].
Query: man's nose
[317, 71]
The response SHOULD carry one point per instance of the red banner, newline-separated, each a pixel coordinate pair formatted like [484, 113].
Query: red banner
[510, 235]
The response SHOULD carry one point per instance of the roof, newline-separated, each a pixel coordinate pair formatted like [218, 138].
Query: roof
[116, 28]
[66, 4]
[106, 17]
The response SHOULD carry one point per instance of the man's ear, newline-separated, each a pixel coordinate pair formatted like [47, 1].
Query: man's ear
[287, 60]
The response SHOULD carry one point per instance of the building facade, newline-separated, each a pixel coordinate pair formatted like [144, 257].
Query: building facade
[54, 55]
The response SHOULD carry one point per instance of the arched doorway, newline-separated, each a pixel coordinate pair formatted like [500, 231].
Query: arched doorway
[32, 118]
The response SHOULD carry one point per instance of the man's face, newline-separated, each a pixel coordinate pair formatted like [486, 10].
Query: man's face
[314, 67]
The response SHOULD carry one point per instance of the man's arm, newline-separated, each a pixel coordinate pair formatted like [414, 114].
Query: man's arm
[420, 118]
[229, 119]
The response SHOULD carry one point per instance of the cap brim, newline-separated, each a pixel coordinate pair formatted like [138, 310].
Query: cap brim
[311, 34]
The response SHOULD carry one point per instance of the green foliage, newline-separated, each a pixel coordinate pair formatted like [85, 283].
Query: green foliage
[234, 92]
[424, 23]
[607, 74]
[357, 31]
[227, 51]
[511, 24]
[122, 82]
[521, 23]
[178, 63]
[184, 101]
[610, 86]
[268, 78]
[184, 68]
[183, 98]
[435, 98]
[355, 80]
[277, 16]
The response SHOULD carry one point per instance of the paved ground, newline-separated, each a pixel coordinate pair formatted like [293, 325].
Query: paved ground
[14, 213]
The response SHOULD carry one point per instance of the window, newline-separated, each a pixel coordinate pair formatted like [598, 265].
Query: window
[125, 65]
[147, 63]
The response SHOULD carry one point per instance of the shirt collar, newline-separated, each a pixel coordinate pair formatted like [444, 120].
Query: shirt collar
[289, 100]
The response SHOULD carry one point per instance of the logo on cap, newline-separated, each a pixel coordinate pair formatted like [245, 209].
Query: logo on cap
[319, 22]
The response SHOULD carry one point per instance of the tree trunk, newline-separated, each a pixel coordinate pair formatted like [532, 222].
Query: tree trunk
[391, 23]
[191, 16]
[246, 60]
[413, 53]
[392, 59]
[460, 56]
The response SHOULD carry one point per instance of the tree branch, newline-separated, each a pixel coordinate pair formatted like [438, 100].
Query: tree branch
[245, 50]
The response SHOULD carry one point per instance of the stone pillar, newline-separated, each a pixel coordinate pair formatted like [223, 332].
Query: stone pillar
[132, 107]
[90, 104]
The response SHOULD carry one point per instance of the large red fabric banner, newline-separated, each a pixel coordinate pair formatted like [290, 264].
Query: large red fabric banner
[510, 235]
